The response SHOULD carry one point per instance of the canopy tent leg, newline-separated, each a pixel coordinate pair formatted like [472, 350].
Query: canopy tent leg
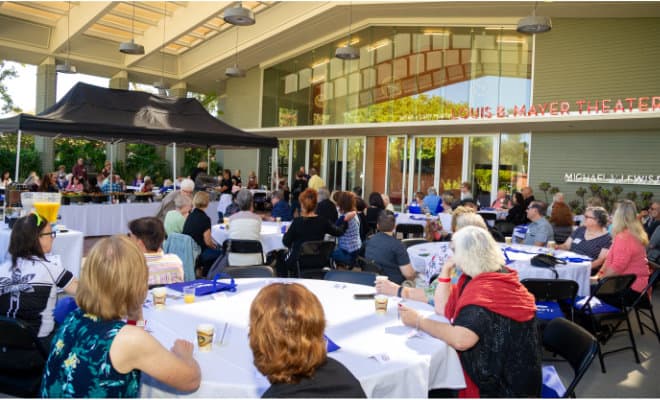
[208, 160]
[174, 165]
[18, 156]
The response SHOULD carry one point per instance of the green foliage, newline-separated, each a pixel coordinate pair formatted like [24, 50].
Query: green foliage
[30, 161]
[192, 156]
[554, 190]
[210, 101]
[6, 102]
[576, 207]
[632, 196]
[617, 190]
[544, 187]
[69, 150]
[144, 158]
[595, 189]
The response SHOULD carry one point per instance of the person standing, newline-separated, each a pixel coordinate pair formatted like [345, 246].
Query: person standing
[79, 169]
[315, 181]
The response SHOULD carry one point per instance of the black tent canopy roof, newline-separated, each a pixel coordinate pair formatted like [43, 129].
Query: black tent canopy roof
[112, 115]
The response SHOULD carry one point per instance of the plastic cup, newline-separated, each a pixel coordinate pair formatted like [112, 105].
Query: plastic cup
[508, 240]
[189, 294]
[159, 297]
[226, 221]
[205, 334]
[380, 302]
[381, 278]
[552, 245]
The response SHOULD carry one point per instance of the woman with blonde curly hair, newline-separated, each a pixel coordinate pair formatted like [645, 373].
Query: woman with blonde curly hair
[627, 254]
[286, 338]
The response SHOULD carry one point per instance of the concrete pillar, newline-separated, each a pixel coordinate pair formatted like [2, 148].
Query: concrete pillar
[178, 90]
[119, 81]
[46, 95]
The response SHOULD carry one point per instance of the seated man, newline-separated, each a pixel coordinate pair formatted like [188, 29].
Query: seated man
[431, 200]
[388, 252]
[149, 233]
[281, 208]
[539, 231]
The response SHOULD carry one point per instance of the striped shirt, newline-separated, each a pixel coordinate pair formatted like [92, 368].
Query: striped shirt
[350, 240]
[164, 268]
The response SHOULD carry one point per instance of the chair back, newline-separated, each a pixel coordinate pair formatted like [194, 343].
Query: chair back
[407, 230]
[185, 247]
[573, 343]
[313, 257]
[251, 271]
[497, 235]
[504, 227]
[645, 296]
[243, 246]
[412, 242]
[361, 278]
[613, 285]
[369, 265]
[20, 379]
[551, 289]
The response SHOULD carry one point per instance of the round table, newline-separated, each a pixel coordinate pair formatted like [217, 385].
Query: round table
[415, 363]
[429, 256]
[271, 235]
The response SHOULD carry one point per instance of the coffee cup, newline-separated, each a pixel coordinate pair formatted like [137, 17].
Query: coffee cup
[205, 333]
[159, 296]
[381, 303]
[552, 245]
[508, 240]
[381, 278]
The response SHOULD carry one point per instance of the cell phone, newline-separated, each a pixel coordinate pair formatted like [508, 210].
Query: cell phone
[364, 296]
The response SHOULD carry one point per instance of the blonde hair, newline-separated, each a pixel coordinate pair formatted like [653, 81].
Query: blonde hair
[476, 252]
[458, 211]
[470, 219]
[625, 217]
[114, 279]
[201, 200]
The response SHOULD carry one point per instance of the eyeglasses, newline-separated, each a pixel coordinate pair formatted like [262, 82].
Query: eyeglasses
[52, 234]
[589, 216]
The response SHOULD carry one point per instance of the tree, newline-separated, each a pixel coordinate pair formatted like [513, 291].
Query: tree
[6, 103]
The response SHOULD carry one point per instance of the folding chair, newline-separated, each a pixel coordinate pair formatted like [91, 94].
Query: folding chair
[407, 230]
[18, 378]
[361, 278]
[574, 344]
[548, 294]
[412, 242]
[368, 265]
[603, 320]
[247, 247]
[314, 259]
[250, 271]
[188, 251]
[505, 228]
[643, 306]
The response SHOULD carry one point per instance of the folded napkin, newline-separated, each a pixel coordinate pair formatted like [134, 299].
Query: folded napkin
[521, 228]
[420, 218]
[330, 345]
[205, 286]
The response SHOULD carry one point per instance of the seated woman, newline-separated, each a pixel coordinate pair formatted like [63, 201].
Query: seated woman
[95, 352]
[561, 220]
[198, 226]
[492, 320]
[426, 281]
[628, 252]
[30, 278]
[175, 219]
[592, 238]
[48, 183]
[308, 227]
[75, 185]
[286, 337]
[252, 181]
[349, 243]
[147, 185]
[376, 205]
[517, 213]
[245, 225]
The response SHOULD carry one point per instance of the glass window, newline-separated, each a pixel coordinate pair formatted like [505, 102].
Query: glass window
[315, 155]
[396, 161]
[354, 163]
[514, 159]
[480, 167]
[334, 162]
[424, 164]
[283, 158]
[451, 165]
[298, 159]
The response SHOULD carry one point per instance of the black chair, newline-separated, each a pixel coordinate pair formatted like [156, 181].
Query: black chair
[408, 230]
[361, 278]
[368, 265]
[259, 201]
[314, 259]
[643, 305]
[604, 320]
[561, 233]
[497, 235]
[251, 271]
[549, 293]
[504, 227]
[412, 242]
[17, 378]
[572, 343]
[489, 218]
[241, 246]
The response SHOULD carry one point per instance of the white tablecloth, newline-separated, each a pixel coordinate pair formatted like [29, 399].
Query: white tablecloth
[420, 219]
[428, 256]
[415, 364]
[271, 235]
[68, 245]
[110, 219]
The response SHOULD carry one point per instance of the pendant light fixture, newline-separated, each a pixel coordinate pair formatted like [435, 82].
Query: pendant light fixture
[235, 71]
[161, 85]
[534, 23]
[348, 52]
[131, 47]
[239, 15]
[67, 68]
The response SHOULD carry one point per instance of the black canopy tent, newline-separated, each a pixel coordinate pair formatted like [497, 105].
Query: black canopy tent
[113, 115]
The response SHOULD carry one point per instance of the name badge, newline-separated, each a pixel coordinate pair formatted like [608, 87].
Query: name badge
[577, 240]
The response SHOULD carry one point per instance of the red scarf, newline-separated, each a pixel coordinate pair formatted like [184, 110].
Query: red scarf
[501, 293]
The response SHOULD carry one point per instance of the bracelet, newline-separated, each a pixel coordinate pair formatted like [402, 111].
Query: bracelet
[399, 292]
[444, 280]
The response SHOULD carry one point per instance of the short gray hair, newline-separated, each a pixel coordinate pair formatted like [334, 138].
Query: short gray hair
[559, 196]
[244, 199]
[476, 252]
[188, 184]
[181, 201]
[431, 190]
[470, 219]
[323, 194]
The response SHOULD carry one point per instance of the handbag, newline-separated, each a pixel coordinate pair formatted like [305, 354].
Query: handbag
[205, 286]
[547, 261]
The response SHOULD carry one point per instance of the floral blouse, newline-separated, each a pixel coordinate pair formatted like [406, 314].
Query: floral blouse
[79, 361]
